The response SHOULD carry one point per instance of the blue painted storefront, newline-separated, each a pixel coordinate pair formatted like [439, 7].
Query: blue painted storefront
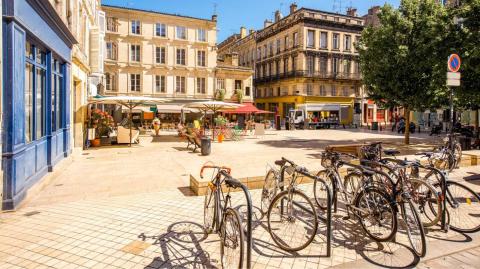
[36, 73]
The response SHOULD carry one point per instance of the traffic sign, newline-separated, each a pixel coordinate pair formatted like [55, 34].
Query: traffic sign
[454, 63]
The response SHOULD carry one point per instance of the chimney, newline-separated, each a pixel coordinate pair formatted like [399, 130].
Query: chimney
[278, 16]
[251, 31]
[293, 7]
[352, 12]
[267, 23]
[214, 18]
[374, 10]
[243, 32]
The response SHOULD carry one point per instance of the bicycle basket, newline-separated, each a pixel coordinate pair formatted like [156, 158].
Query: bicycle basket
[370, 153]
[327, 160]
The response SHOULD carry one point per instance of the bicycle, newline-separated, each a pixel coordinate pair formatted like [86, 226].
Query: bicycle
[372, 206]
[220, 217]
[291, 216]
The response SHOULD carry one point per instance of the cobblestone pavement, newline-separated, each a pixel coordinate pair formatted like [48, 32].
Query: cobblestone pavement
[466, 259]
[164, 230]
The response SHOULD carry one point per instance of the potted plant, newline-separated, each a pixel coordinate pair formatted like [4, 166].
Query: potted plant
[239, 94]
[220, 122]
[103, 124]
[220, 95]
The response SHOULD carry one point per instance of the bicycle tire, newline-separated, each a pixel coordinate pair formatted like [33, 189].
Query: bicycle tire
[352, 185]
[387, 202]
[457, 153]
[471, 202]
[209, 211]
[319, 192]
[231, 215]
[419, 249]
[425, 196]
[310, 217]
[269, 191]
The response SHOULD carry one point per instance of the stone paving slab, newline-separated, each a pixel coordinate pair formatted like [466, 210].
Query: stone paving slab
[164, 230]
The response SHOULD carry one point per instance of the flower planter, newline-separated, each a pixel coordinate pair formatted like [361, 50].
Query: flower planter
[96, 142]
[105, 141]
[220, 138]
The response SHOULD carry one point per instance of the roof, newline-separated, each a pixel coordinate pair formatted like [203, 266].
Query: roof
[155, 12]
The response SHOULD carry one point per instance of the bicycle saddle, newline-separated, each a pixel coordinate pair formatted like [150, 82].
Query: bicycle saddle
[280, 162]
[391, 152]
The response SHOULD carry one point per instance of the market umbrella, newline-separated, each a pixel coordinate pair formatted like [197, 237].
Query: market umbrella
[213, 106]
[128, 101]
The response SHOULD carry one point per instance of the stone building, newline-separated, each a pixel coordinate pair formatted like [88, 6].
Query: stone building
[161, 55]
[306, 57]
[234, 80]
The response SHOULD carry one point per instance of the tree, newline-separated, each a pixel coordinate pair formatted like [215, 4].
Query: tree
[403, 60]
[465, 39]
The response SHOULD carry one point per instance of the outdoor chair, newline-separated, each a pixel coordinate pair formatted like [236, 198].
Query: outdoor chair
[123, 135]
[193, 139]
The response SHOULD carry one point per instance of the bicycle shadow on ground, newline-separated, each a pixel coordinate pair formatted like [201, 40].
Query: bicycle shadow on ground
[180, 247]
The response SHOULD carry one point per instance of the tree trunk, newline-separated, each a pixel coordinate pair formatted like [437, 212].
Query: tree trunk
[407, 126]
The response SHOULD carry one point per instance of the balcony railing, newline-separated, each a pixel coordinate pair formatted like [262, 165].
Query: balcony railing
[309, 74]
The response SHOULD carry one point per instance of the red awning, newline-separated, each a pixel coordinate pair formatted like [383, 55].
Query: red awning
[247, 108]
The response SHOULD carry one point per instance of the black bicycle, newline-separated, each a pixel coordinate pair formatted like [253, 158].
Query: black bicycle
[219, 216]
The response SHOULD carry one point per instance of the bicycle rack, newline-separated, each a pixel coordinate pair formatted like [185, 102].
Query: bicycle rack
[328, 219]
[443, 184]
[249, 224]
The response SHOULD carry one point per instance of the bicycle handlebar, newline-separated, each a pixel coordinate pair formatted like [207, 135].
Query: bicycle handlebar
[226, 169]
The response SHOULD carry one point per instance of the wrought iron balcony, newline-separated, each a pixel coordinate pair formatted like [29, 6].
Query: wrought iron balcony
[308, 74]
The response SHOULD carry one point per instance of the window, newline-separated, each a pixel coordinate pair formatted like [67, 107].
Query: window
[323, 65]
[160, 84]
[220, 84]
[345, 91]
[112, 24]
[311, 65]
[57, 90]
[29, 102]
[111, 51]
[35, 93]
[238, 84]
[160, 30]
[181, 32]
[285, 66]
[309, 89]
[135, 53]
[160, 55]
[323, 40]
[135, 82]
[259, 54]
[295, 39]
[201, 35]
[181, 56]
[247, 91]
[279, 42]
[136, 27]
[323, 90]
[277, 67]
[336, 41]
[270, 51]
[294, 63]
[357, 39]
[180, 84]
[110, 81]
[286, 44]
[348, 43]
[311, 38]
[201, 86]
[201, 59]
[334, 91]
[336, 65]
[347, 66]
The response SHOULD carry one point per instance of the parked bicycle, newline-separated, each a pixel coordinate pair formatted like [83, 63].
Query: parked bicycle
[373, 206]
[292, 218]
[219, 216]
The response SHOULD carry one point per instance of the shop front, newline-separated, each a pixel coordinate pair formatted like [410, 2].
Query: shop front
[37, 51]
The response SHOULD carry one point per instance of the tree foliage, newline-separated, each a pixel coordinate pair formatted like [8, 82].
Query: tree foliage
[403, 60]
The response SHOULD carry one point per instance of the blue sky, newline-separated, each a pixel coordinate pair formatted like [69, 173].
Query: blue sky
[232, 14]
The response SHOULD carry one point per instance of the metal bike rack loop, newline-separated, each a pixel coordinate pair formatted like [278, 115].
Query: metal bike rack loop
[249, 224]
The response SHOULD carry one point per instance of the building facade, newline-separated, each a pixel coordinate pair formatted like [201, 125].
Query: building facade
[160, 55]
[307, 57]
[235, 82]
[37, 48]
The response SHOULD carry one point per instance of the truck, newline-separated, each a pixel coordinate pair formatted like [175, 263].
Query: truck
[315, 116]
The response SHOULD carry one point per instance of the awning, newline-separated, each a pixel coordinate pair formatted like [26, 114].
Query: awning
[321, 107]
[248, 108]
[175, 109]
[138, 109]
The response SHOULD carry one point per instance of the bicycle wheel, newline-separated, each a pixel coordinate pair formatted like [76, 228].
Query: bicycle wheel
[231, 235]
[427, 201]
[269, 190]
[292, 220]
[414, 227]
[376, 213]
[457, 153]
[320, 190]
[352, 183]
[463, 205]
[209, 209]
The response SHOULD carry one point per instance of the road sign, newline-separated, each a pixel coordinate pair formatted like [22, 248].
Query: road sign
[453, 79]
[454, 63]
